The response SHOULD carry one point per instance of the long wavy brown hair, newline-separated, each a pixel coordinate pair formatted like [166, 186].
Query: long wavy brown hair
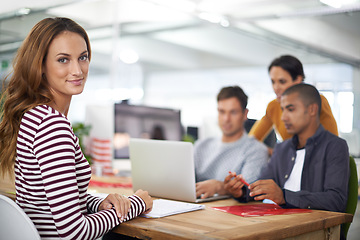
[27, 86]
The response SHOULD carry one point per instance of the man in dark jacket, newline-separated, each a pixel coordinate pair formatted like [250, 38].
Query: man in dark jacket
[310, 170]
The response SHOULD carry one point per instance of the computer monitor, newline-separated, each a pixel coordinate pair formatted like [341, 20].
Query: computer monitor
[139, 121]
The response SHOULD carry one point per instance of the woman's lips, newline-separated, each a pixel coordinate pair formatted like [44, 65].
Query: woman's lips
[76, 82]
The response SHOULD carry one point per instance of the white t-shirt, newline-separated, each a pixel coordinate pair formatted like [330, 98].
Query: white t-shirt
[294, 181]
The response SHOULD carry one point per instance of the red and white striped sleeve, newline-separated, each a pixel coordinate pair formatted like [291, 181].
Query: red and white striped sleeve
[57, 153]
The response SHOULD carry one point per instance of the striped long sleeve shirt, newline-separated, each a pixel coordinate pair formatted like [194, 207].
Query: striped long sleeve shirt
[52, 177]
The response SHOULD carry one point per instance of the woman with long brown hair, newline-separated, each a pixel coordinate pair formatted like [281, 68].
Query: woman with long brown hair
[37, 142]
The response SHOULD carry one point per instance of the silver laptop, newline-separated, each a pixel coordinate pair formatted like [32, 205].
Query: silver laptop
[165, 169]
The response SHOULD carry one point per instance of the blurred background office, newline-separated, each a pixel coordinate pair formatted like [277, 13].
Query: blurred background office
[177, 54]
[169, 58]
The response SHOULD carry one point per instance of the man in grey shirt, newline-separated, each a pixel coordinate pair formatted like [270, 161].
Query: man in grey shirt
[234, 151]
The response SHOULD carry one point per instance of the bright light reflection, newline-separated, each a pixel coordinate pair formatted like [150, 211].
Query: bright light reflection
[128, 56]
[213, 18]
[119, 94]
[184, 5]
[338, 3]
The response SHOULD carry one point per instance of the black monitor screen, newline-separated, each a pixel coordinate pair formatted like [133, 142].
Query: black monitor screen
[137, 121]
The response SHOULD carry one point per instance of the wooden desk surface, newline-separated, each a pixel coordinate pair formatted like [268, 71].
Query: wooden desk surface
[213, 224]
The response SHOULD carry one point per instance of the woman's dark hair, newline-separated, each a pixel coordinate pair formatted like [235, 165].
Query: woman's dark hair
[290, 64]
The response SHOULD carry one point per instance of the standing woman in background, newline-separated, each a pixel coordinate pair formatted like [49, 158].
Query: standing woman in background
[38, 143]
[284, 72]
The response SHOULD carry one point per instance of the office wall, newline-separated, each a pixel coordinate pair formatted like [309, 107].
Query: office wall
[194, 92]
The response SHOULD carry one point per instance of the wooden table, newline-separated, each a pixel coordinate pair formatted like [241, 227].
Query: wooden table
[213, 224]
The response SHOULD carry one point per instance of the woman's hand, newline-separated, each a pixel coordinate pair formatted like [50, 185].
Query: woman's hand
[119, 202]
[144, 195]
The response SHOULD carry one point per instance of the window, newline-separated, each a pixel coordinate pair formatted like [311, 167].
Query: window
[341, 105]
[346, 103]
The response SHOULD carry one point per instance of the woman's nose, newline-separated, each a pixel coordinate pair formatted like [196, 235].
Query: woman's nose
[76, 69]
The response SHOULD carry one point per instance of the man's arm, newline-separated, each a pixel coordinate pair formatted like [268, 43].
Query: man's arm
[256, 159]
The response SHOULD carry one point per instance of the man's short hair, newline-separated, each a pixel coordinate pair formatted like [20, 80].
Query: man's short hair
[308, 94]
[233, 91]
[290, 64]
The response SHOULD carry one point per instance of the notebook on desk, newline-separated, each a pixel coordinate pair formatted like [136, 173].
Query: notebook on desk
[165, 169]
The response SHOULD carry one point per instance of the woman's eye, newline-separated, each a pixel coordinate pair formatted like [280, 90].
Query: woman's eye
[62, 60]
[83, 58]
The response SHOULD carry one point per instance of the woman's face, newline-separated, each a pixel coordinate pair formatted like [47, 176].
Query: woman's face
[67, 65]
[281, 80]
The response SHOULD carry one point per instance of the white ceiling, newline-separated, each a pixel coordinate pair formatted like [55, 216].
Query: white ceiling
[198, 34]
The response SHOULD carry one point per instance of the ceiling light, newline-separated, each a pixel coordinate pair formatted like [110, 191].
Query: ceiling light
[332, 3]
[184, 5]
[23, 11]
[224, 22]
[214, 18]
[128, 56]
[338, 3]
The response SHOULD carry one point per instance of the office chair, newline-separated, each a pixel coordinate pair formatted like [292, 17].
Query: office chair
[270, 139]
[14, 223]
[352, 194]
